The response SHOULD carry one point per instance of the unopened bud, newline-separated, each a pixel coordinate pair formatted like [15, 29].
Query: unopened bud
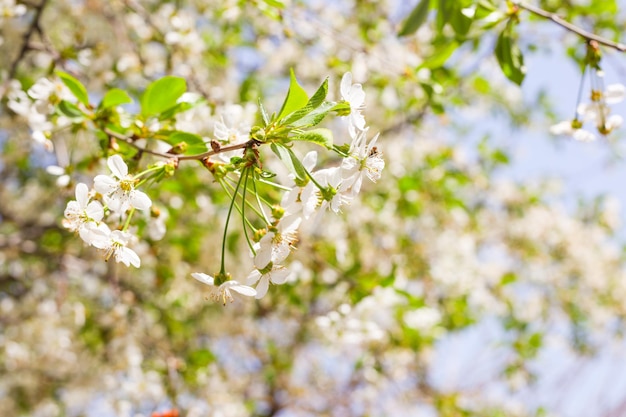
[277, 211]
[259, 234]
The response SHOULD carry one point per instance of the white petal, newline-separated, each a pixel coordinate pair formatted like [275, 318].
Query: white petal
[73, 209]
[105, 184]
[278, 275]
[117, 166]
[140, 200]
[614, 93]
[127, 256]
[242, 289]
[261, 289]
[82, 194]
[97, 236]
[203, 278]
[95, 211]
[55, 170]
[614, 122]
[281, 252]
[253, 277]
[115, 203]
[583, 135]
[346, 83]
[121, 237]
[356, 96]
[310, 160]
[263, 256]
[562, 128]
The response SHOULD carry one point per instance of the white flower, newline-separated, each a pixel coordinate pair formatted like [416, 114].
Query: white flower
[115, 244]
[565, 128]
[119, 191]
[355, 96]
[364, 159]
[223, 292]
[600, 114]
[276, 245]
[48, 93]
[332, 196]
[233, 126]
[292, 200]
[82, 213]
[276, 274]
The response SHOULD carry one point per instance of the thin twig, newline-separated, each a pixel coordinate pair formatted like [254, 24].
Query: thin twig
[572, 28]
[197, 157]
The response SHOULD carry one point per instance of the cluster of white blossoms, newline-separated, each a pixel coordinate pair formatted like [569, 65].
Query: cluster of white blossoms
[328, 188]
[38, 106]
[597, 112]
[121, 198]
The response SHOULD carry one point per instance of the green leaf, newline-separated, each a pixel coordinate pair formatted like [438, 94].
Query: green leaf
[316, 100]
[162, 94]
[195, 144]
[76, 87]
[296, 98]
[291, 161]
[264, 116]
[416, 18]
[510, 56]
[441, 56]
[70, 110]
[461, 21]
[115, 97]
[178, 108]
[323, 137]
[318, 114]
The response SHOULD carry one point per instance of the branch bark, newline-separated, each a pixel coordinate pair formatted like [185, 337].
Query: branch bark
[571, 27]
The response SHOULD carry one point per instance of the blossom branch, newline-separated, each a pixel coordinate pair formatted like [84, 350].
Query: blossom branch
[570, 27]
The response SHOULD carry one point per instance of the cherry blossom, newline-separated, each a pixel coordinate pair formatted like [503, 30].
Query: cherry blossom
[223, 292]
[355, 96]
[119, 190]
[81, 213]
[364, 159]
[115, 244]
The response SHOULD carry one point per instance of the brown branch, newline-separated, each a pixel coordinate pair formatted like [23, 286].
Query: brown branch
[196, 157]
[570, 27]
[34, 27]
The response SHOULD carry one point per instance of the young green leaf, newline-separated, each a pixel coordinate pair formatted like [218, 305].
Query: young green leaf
[441, 55]
[76, 87]
[317, 115]
[162, 94]
[510, 56]
[264, 115]
[115, 97]
[323, 137]
[296, 98]
[316, 100]
[416, 18]
[70, 110]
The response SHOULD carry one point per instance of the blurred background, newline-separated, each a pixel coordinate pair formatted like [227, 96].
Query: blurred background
[483, 275]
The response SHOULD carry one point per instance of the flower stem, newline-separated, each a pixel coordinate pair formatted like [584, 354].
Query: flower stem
[230, 210]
